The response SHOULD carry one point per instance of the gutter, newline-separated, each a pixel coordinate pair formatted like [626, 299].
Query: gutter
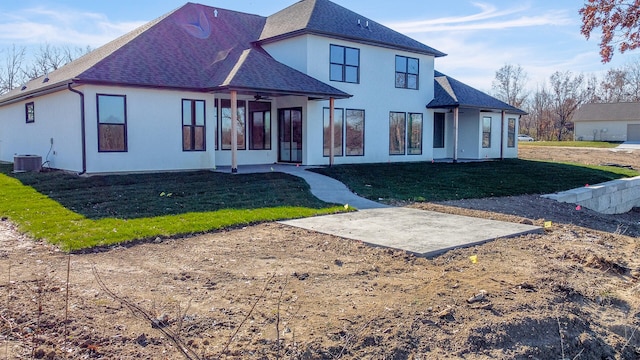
[22, 97]
[82, 128]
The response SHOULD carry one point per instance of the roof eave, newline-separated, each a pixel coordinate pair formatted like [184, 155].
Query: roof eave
[300, 32]
[278, 92]
[55, 87]
[481, 108]
[137, 85]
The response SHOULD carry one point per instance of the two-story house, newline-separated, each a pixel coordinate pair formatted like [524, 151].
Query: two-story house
[201, 87]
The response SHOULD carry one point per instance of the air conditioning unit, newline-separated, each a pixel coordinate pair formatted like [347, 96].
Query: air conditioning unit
[24, 163]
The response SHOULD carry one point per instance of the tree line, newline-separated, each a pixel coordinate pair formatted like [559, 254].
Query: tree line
[551, 105]
[17, 68]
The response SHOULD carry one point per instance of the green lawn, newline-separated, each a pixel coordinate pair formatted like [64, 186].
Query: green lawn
[445, 181]
[592, 144]
[81, 212]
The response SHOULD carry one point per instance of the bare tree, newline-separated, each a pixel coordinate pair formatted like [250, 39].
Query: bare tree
[510, 84]
[633, 79]
[567, 94]
[617, 21]
[11, 70]
[613, 88]
[541, 115]
[47, 59]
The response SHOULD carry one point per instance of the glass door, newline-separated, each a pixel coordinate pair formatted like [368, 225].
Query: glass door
[290, 135]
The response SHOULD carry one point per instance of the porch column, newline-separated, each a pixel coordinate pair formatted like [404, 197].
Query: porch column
[502, 136]
[234, 131]
[331, 123]
[455, 134]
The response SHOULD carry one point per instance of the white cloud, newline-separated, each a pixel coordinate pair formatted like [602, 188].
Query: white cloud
[69, 27]
[488, 18]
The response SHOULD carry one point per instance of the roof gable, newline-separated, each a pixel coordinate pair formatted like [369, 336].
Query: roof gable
[257, 71]
[195, 47]
[449, 92]
[323, 17]
[191, 48]
[623, 111]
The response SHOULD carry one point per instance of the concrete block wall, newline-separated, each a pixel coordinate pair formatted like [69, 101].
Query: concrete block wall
[612, 197]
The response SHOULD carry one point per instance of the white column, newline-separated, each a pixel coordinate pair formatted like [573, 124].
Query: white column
[455, 134]
[234, 131]
[502, 136]
[331, 123]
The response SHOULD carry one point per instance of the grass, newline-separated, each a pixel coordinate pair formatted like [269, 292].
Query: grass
[591, 144]
[443, 181]
[76, 213]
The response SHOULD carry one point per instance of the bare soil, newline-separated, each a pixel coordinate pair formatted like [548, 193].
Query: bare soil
[275, 292]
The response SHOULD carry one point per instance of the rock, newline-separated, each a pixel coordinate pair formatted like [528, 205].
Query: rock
[477, 297]
[142, 340]
[488, 306]
[160, 322]
[301, 277]
[39, 354]
[446, 312]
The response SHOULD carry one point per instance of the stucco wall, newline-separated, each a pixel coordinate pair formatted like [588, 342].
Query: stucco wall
[154, 132]
[376, 94]
[57, 117]
[469, 134]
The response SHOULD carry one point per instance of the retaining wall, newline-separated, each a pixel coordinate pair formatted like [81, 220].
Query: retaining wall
[612, 197]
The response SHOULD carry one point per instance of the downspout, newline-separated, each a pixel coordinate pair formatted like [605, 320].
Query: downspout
[502, 136]
[82, 128]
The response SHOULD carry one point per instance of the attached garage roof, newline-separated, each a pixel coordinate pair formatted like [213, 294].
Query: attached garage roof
[625, 111]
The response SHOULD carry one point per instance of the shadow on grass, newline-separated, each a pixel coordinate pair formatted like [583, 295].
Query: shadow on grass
[446, 181]
[160, 194]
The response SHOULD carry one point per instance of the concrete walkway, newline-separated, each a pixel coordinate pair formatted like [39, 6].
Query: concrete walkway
[323, 187]
[424, 233]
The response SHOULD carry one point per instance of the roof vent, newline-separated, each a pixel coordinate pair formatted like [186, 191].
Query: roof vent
[215, 13]
[46, 79]
[24, 87]
[367, 25]
[359, 24]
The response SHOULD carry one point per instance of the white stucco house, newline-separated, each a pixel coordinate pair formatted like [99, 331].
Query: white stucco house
[200, 87]
[607, 122]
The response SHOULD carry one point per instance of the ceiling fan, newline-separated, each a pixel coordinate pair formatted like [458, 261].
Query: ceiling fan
[258, 97]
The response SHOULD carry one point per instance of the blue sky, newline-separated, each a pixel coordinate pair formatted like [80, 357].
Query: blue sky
[479, 36]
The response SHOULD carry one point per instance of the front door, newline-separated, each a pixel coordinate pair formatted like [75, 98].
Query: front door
[290, 135]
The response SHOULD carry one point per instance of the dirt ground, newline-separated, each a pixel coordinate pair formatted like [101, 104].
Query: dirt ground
[275, 292]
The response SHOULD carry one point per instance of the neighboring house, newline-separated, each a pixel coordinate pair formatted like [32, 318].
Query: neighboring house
[607, 122]
[203, 87]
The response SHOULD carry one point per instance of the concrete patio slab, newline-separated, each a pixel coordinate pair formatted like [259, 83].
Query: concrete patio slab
[424, 233]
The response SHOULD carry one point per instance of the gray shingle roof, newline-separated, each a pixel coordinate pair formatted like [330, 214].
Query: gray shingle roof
[624, 111]
[195, 47]
[449, 92]
[257, 71]
[323, 17]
